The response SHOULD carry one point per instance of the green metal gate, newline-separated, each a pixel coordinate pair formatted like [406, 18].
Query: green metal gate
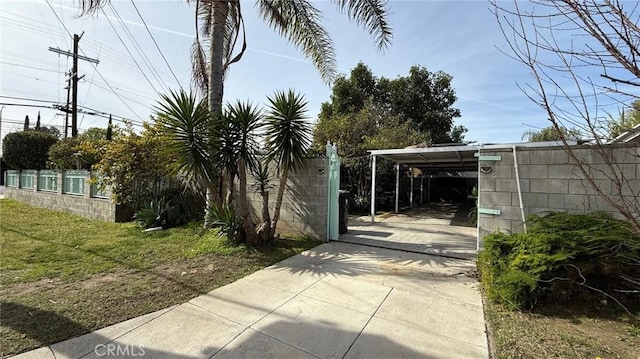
[333, 191]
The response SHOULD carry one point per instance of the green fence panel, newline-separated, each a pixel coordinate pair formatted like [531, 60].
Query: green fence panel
[333, 192]
[12, 178]
[48, 181]
[74, 181]
[28, 179]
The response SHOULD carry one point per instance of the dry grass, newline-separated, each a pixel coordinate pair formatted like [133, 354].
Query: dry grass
[561, 332]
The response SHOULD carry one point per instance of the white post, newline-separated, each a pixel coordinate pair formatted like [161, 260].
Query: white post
[373, 189]
[421, 188]
[411, 193]
[397, 184]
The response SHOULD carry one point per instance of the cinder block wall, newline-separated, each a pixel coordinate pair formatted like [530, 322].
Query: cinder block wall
[85, 206]
[551, 181]
[304, 206]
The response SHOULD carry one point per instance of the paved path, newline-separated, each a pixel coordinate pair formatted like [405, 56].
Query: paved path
[337, 300]
[432, 229]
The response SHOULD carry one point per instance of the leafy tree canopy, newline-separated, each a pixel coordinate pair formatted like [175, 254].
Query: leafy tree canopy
[368, 112]
[551, 134]
[27, 149]
[80, 152]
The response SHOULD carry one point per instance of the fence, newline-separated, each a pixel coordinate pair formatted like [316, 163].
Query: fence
[76, 192]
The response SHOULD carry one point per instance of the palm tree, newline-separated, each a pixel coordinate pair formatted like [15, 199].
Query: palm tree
[221, 24]
[246, 120]
[288, 139]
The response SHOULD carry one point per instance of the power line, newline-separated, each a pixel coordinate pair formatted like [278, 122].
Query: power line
[130, 54]
[138, 48]
[26, 99]
[154, 41]
[96, 68]
[29, 67]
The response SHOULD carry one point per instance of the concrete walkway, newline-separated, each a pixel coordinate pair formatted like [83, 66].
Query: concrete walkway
[432, 229]
[337, 300]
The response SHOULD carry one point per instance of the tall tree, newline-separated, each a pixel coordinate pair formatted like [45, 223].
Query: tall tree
[110, 129]
[423, 98]
[582, 55]
[366, 112]
[551, 134]
[220, 23]
[26, 123]
[38, 122]
[246, 120]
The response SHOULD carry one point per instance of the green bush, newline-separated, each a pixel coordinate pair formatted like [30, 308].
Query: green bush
[175, 206]
[27, 149]
[559, 257]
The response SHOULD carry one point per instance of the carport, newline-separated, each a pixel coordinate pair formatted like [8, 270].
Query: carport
[420, 229]
[429, 159]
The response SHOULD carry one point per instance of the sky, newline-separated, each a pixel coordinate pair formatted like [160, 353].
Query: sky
[460, 38]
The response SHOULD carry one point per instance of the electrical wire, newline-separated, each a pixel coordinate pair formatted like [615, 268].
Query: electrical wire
[94, 65]
[130, 54]
[26, 99]
[138, 48]
[29, 67]
[156, 43]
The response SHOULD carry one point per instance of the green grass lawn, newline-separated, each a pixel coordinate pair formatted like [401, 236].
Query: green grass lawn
[63, 275]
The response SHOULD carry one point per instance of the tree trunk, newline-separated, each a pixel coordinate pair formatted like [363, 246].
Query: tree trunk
[216, 76]
[265, 207]
[276, 210]
[243, 204]
[263, 232]
[230, 188]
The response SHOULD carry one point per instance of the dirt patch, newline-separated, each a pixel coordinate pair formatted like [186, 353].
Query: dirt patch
[20, 289]
[560, 333]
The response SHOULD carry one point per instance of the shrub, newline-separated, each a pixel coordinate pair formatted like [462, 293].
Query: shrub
[226, 220]
[562, 257]
[175, 206]
[135, 167]
[27, 149]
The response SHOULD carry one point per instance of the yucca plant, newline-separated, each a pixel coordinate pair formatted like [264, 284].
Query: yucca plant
[225, 218]
[245, 120]
[263, 176]
[288, 139]
[186, 123]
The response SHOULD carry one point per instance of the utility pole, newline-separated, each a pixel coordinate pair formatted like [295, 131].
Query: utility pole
[74, 83]
[66, 109]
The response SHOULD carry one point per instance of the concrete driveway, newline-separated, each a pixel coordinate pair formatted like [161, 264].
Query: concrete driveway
[440, 228]
[338, 300]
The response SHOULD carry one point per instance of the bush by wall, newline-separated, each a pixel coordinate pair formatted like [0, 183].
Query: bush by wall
[563, 257]
[27, 149]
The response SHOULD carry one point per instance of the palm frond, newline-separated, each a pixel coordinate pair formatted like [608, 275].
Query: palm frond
[372, 15]
[90, 7]
[199, 67]
[224, 139]
[301, 23]
[288, 134]
[234, 27]
[185, 122]
[246, 120]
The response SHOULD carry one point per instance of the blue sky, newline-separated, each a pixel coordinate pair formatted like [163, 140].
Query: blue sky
[460, 38]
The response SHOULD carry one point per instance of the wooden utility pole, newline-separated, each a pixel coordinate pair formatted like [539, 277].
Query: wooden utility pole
[74, 80]
[74, 83]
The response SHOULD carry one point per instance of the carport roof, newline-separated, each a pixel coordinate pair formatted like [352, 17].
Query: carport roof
[449, 158]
